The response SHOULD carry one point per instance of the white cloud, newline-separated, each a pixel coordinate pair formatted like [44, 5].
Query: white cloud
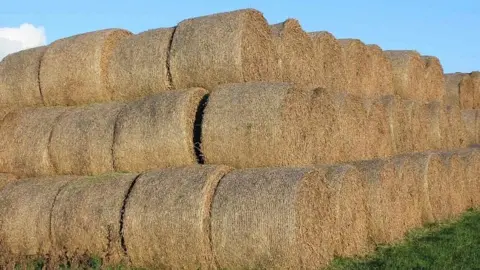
[14, 39]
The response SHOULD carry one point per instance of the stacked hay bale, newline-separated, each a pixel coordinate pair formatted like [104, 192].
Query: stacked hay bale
[426, 126]
[458, 90]
[380, 141]
[329, 60]
[381, 72]
[172, 205]
[434, 79]
[229, 47]
[471, 165]
[453, 129]
[74, 69]
[469, 120]
[403, 125]
[296, 54]
[357, 67]
[19, 82]
[139, 65]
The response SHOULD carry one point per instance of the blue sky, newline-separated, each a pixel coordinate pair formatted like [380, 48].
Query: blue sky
[447, 29]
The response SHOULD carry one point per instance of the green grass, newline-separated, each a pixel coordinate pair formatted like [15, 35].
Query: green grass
[454, 245]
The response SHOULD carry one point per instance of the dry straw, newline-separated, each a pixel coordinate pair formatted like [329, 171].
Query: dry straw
[257, 124]
[296, 53]
[379, 127]
[19, 82]
[74, 69]
[25, 207]
[139, 65]
[403, 125]
[329, 60]
[167, 218]
[459, 90]
[426, 126]
[476, 89]
[229, 47]
[157, 131]
[453, 129]
[459, 182]
[408, 74]
[6, 178]
[381, 71]
[357, 67]
[471, 159]
[264, 218]
[354, 120]
[85, 218]
[469, 120]
[24, 139]
[434, 79]
[81, 141]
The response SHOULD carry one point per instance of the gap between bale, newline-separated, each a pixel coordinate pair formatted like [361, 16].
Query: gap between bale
[403, 125]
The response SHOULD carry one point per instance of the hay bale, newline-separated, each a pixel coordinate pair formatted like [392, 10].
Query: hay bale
[354, 120]
[85, 218]
[434, 80]
[459, 90]
[427, 133]
[469, 119]
[82, 138]
[139, 67]
[157, 131]
[453, 129]
[381, 71]
[6, 178]
[74, 69]
[167, 218]
[257, 125]
[264, 218]
[471, 159]
[19, 82]
[25, 223]
[329, 60]
[475, 76]
[403, 125]
[357, 67]
[408, 74]
[296, 54]
[379, 128]
[24, 140]
[383, 201]
[228, 47]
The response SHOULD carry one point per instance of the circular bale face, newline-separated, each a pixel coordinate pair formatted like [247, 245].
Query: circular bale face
[381, 75]
[74, 69]
[24, 136]
[265, 218]
[86, 218]
[157, 131]
[19, 82]
[296, 55]
[81, 141]
[139, 65]
[357, 67]
[329, 60]
[167, 218]
[228, 47]
[434, 79]
[403, 125]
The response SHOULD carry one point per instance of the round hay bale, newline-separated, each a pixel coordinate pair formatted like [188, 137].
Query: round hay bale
[82, 138]
[475, 77]
[453, 130]
[469, 119]
[329, 60]
[457, 181]
[157, 131]
[74, 69]
[381, 71]
[19, 82]
[85, 218]
[265, 218]
[434, 79]
[471, 159]
[167, 218]
[354, 120]
[383, 201]
[230, 47]
[296, 54]
[257, 124]
[25, 223]
[459, 90]
[139, 65]
[357, 67]
[24, 139]
[408, 74]
[379, 128]
[403, 125]
[427, 133]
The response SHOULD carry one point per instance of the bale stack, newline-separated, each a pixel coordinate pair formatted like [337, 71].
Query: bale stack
[357, 67]
[265, 219]
[229, 47]
[257, 125]
[85, 219]
[426, 126]
[296, 54]
[469, 120]
[453, 130]
[24, 139]
[74, 69]
[471, 159]
[329, 60]
[82, 138]
[459, 90]
[458, 182]
[380, 142]
[19, 82]
[408, 75]
[354, 117]
[157, 131]
[476, 89]
[403, 125]
[381, 71]
[167, 218]
[139, 65]
[434, 79]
